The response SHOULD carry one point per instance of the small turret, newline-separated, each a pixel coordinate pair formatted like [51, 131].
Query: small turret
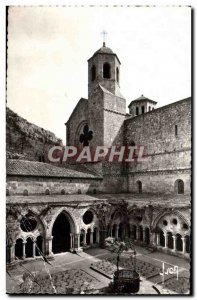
[141, 105]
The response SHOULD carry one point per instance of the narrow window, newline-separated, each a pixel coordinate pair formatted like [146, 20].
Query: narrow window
[179, 186]
[47, 192]
[117, 74]
[139, 187]
[142, 109]
[149, 108]
[176, 130]
[93, 73]
[63, 192]
[137, 110]
[25, 193]
[106, 71]
[132, 143]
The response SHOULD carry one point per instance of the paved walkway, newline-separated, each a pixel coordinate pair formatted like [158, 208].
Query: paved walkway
[83, 260]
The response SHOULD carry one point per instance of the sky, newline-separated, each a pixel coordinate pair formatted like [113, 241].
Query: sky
[48, 49]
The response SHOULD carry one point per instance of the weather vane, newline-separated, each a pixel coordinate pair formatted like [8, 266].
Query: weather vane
[104, 33]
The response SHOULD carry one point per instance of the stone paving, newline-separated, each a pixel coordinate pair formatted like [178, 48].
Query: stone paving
[68, 270]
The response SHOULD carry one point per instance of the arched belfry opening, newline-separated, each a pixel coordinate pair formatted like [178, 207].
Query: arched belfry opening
[117, 74]
[106, 71]
[61, 234]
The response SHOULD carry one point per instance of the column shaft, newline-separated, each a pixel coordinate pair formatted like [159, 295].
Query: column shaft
[84, 239]
[166, 240]
[144, 235]
[157, 239]
[116, 232]
[137, 233]
[71, 241]
[24, 254]
[184, 245]
[34, 248]
[49, 246]
[174, 242]
[97, 236]
[91, 238]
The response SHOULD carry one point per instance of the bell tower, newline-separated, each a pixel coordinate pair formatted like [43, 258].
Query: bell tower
[104, 69]
[106, 105]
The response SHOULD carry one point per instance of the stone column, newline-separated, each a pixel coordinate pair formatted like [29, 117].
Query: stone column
[71, 242]
[137, 233]
[116, 232]
[166, 239]
[77, 241]
[97, 236]
[111, 231]
[24, 254]
[49, 245]
[184, 245]
[131, 230]
[174, 242]
[84, 238]
[34, 248]
[91, 238]
[144, 235]
[157, 239]
[10, 255]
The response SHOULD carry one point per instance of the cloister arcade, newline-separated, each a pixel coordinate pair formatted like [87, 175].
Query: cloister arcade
[172, 233]
[63, 230]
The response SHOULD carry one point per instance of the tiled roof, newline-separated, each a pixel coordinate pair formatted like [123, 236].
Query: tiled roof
[50, 199]
[108, 92]
[104, 50]
[142, 98]
[139, 200]
[33, 168]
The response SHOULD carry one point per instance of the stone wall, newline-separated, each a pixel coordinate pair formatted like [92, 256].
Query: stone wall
[162, 182]
[156, 129]
[95, 116]
[76, 122]
[168, 155]
[16, 185]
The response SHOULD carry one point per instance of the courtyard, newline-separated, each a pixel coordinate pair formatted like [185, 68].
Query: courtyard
[91, 272]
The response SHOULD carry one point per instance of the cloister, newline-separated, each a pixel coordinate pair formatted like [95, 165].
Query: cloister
[64, 230]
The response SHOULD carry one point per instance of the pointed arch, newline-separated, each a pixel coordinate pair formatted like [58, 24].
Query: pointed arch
[167, 213]
[71, 219]
[61, 233]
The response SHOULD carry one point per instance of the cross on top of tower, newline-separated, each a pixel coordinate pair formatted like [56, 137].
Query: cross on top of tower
[104, 33]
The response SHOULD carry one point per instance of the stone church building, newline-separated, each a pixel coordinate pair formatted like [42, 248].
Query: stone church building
[53, 209]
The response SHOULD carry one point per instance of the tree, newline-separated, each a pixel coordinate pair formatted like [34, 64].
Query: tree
[118, 247]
